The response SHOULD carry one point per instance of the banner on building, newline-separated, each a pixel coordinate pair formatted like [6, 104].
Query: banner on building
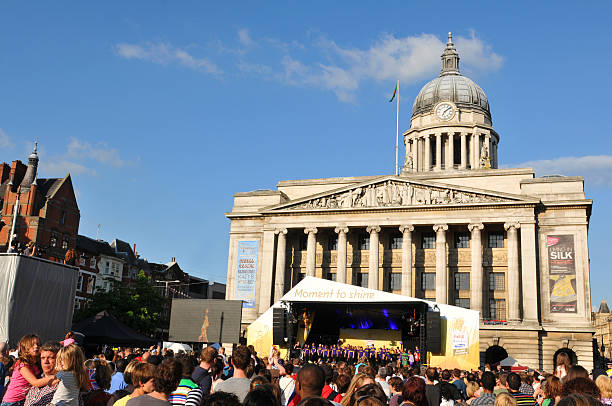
[562, 273]
[246, 272]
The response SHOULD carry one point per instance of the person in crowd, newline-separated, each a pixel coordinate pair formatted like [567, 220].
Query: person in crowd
[514, 385]
[220, 399]
[369, 395]
[68, 339]
[357, 382]
[459, 384]
[448, 392]
[471, 391]
[584, 386]
[551, 393]
[42, 396]
[505, 399]
[328, 392]
[71, 376]
[142, 378]
[117, 381]
[25, 372]
[487, 397]
[201, 375]
[238, 384]
[576, 371]
[4, 361]
[216, 372]
[262, 395]
[577, 399]
[101, 374]
[502, 384]
[186, 385]
[605, 388]
[396, 385]
[258, 380]
[310, 382]
[562, 365]
[414, 392]
[165, 380]
[381, 379]
[432, 389]
[127, 378]
[286, 384]
[343, 382]
[526, 384]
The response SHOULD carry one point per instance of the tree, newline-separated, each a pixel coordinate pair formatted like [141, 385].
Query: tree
[139, 305]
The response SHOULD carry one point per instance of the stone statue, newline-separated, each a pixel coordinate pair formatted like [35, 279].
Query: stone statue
[485, 161]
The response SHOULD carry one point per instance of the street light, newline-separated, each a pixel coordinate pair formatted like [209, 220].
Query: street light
[167, 283]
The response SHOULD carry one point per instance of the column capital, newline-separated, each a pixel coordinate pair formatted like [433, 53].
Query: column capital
[475, 226]
[373, 229]
[406, 228]
[440, 227]
[280, 231]
[309, 230]
[512, 224]
[341, 229]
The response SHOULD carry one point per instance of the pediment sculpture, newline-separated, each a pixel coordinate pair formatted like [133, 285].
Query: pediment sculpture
[393, 193]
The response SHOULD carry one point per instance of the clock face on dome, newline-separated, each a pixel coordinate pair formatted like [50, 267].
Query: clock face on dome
[445, 111]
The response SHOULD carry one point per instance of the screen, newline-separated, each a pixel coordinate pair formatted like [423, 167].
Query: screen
[205, 320]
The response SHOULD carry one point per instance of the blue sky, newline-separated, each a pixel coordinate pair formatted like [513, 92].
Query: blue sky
[162, 110]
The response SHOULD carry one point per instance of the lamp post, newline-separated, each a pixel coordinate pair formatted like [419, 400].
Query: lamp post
[15, 211]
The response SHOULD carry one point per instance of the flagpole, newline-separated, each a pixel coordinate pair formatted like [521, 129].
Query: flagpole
[397, 133]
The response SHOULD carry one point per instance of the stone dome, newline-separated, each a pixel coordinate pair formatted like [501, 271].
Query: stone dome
[451, 86]
[454, 88]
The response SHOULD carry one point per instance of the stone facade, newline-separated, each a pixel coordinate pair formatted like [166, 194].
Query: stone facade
[463, 233]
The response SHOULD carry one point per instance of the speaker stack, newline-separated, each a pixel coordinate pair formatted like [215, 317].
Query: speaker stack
[279, 326]
[434, 338]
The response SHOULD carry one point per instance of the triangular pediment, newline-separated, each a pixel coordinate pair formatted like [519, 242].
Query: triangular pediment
[397, 192]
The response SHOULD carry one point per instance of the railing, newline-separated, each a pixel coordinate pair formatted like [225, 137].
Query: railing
[491, 322]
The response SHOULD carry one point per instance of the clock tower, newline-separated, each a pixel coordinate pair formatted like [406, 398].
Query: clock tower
[451, 127]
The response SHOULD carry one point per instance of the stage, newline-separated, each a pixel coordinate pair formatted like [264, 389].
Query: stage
[323, 311]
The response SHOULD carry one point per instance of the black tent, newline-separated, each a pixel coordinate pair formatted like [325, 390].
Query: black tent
[103, 328]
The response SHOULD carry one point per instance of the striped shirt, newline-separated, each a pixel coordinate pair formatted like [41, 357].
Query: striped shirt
[179, 396]
[522, 399]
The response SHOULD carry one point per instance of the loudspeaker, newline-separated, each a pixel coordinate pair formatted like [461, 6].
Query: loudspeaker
[433, 332]
[279, 326]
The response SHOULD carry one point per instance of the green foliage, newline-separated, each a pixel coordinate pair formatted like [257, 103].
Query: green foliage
[139, 305]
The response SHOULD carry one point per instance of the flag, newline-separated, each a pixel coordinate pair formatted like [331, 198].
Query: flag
[394, 91]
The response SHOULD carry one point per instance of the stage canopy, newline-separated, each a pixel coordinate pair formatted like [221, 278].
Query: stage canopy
[459, 327]
[103, 328]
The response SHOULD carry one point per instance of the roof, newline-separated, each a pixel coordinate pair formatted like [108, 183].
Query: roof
[87, 244]
[48, 187]
[122, 247]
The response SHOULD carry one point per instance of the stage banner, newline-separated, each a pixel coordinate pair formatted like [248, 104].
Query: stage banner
[459, 342]
[562, 273]
[246, 272]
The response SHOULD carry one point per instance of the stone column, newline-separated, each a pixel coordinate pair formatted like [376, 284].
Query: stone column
[513, 272]
[441, 264]
[264, 282]
[406, 231]
[476, 150]
[373, 270]
[427, 153]
[415, 154]
[279, 278]
[463, 164]
[341, 260]
[476, 275]
[529, 273]
[438, 152]
[311, 251]
[450, 158]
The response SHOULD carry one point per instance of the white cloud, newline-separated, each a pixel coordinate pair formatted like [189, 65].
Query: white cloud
[61, 166]
[163, 54]
[595, 169]
[5, 140]
[409, 59]
[100, 152]
[244, 38]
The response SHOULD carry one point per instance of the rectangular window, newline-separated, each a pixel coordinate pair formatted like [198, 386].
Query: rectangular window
[91, 283]
[303, 243]
[428, 281]
[462, 240]
[82, 261]
[395, 242]
[63, 218]
[364, 241]
[331, 276]
[92, 263]
[496, 240]
[396, 281]
[362, 280]
[333, 243]
[462, 281]
[462, 302]
[107, 268]
[497, 309]
[497, 281]
[428, 241]
[80, 283]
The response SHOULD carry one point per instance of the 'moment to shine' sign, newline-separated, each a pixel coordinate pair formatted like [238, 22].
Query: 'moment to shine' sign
[246, 272]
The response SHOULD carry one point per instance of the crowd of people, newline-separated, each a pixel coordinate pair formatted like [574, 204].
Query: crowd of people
[58, 373]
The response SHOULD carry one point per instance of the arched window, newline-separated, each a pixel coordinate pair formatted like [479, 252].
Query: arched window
[53, 239]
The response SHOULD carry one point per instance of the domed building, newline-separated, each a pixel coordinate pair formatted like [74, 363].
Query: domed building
[452, 228]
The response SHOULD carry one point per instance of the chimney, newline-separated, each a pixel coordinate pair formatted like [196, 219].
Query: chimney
[18, 170]
[5, 170]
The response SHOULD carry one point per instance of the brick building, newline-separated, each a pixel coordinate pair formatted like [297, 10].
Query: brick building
[47, 214]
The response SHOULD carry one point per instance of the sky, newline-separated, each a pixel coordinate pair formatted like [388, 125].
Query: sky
[162, 110]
